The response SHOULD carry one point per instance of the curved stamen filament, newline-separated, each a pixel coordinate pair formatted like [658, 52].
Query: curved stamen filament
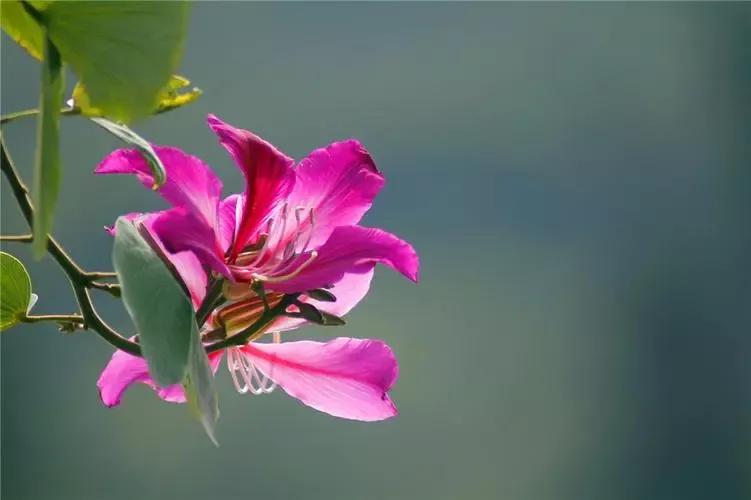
[276, 279]
[251, 380]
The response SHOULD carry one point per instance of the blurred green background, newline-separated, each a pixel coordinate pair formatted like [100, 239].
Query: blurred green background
[577, 181]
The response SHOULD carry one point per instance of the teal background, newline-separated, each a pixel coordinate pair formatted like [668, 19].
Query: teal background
[577, 181]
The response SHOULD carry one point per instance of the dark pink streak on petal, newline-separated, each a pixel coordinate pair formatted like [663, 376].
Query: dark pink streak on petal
[353, 249]
[339, 183]
[268, 175]
[190, 183]
[345, 377]
[124, 370]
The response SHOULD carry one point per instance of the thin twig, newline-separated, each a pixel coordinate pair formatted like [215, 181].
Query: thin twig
[17, 238]
[79, 279]
[61, 318]
[33, 112]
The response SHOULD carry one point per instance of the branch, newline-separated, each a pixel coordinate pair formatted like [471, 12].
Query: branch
[33, 112]
[71, 318]
[17, 238]
[79, 279]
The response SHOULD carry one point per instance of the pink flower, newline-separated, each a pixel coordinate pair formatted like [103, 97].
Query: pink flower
[293, 229]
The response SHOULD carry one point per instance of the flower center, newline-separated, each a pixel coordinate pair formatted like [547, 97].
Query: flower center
[281, 252]
[247, 378]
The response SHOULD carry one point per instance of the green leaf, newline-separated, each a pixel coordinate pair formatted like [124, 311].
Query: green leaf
[176, 94]
[321, 295]
[123, 52]
[22, 28]
[47, 168]
[15, 291]
[157, 303]
[124, 133]
[200, 390]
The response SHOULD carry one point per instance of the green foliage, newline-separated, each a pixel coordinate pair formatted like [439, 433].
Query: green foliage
[22, 28]
[175, 94]
[124, 133]
[159, 307]
[200, 390]
[15, 291]
[123, 52]
[165, 320]
[47, 168]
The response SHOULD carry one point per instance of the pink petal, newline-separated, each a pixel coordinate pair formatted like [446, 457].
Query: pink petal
[344, 377]
[353, 249]
[188, 266]
[228, 219]
[124, 370]
[180, 230]
[349, 291]
[339, 183]
[190, 182]
[268, 175]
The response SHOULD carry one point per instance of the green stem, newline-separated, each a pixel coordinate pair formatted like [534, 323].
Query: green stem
[17, 238]
[72, 318]
[33, 112]
[210, 301]
[79, 279]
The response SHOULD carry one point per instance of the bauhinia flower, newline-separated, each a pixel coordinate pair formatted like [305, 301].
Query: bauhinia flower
[294, 229]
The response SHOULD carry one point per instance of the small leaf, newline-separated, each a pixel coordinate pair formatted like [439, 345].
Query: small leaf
[47, 168]
[331, 320]
[321, 295]
[15, 291]
[200, 390]
[22, 28]
[157, 303]
[311, 313]
[174, 95]
[127, 135]
[124, 52]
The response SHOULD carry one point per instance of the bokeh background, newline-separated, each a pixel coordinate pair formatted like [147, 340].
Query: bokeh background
[577, 181]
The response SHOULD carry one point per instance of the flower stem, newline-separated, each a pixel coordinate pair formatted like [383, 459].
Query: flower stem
[213, 295]
[79, 279]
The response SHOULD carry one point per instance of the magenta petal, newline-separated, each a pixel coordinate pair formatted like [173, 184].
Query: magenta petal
[228, 219]
[190, 182]
[268, 175]
[345, 377]
[353, 249]
[349, 291]
[180, 230]
[124, 370]
[339, 183]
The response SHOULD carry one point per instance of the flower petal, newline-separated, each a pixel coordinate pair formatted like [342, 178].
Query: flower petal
[228, 219]
[124, 370]
[190, 182]
[352, 249]
[339, 183]
[268, 175]
[344, 377]
[349, 291]
[187, 265]
[180, 230]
